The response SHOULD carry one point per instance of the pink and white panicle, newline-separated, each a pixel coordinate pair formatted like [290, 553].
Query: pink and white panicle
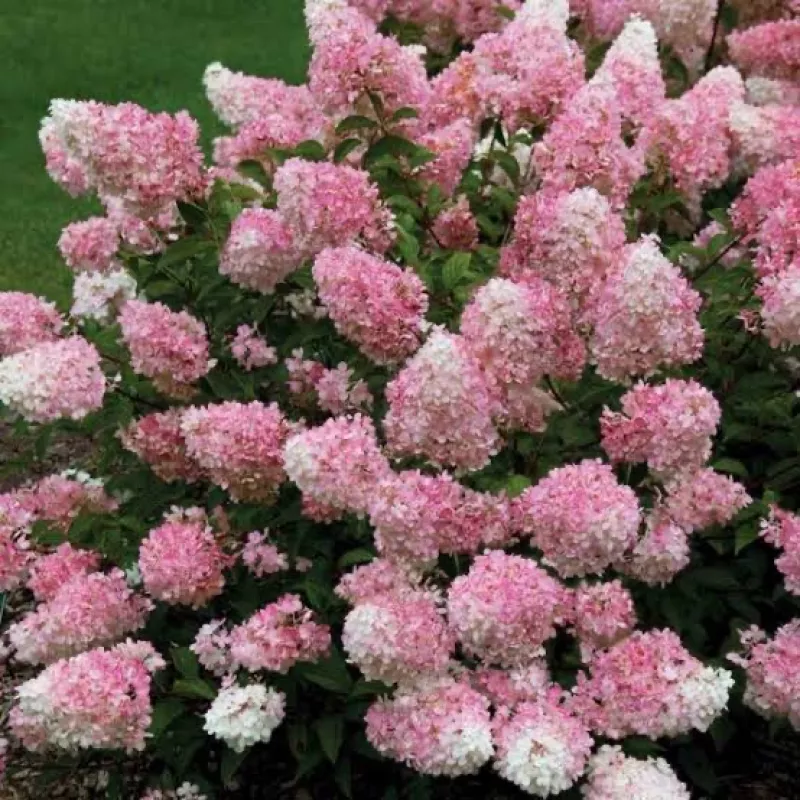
[239, 446]
[505, 608]
[668, 425]
[645, 317]
[99, 699]
[100, 296]
[612, 774]
[337, 464]
[780, 309]
[331, 205]
[50, 572]
[782, 530]
[632, 67]
[375, 304]
[242, 716]
[181, 562]
[124, 152]
[703, 499]
[25, 321]
[572, 239]
[603, 613]
[53, 380]
[772, 669]
[580, 517]
[540, 746]
[650, 685]
[771, 49]
[441, 727]
[456, 228]
[250, 350]
[520, 332]
[510, 687]
[584, 147]
[398, 637]
[661, 553]
[90, 610]
[159, 441]
[90, 245]
[170, 348]
[278, 636]
[261, 557]
[441, 408]
[60, 499]
[261, 250]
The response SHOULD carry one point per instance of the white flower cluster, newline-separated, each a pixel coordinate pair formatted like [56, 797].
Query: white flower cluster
[243, 715]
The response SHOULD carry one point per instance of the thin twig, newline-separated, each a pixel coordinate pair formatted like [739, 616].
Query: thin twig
[552, 387]
[717, 20]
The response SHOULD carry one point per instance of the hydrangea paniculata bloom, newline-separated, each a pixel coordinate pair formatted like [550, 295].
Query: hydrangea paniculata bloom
[278, 636]
[261, 557]
[90, 245]
[261, 250]
[250, 350]
[771, 49]
[53, 380]
[25, 321]
[612, 774]
[509, 687]
[181, 562]
[705, 498]
[580, 517]
[60, 499]
[661, 553]
[159, 441]
[669, 426]
[603, 613]
[650, 685]
[441, 408]
[338, 463]
[377, 305]
[99, 699]
[169, 347]
[772, 668]
[572, 239]
[50, 572]
[100, 296]
[239, 446]
[456, 228]
[397, 637]
[505, 608]
[782, 530]
[645, 317]
[541, 746]
[780, 310]
[90, 610]
[242, 716]
[442, 727]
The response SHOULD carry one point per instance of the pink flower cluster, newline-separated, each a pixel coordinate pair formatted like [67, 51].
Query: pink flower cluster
[90, 245]
[123, 152]
[334, 390]
[50, 572]
[771, 49]
[53, 380]
[456, 228]
[25, 321]
[169, 347]
[278, 636]
[645, 317]
[181, 562]
[60, 499]
[505, 608]
[580, 517]
[669, 426]
[261, 557]
[442, 727]
[159, 441]
[650, 685]
[99, 699]
[337, 464]
[782, 530]
[603, 614]
[441, 408]
[373, 303]
[771, 668]
[91, 609]
[239, 446]
[703, 499]
[661, 553]
[250, 350]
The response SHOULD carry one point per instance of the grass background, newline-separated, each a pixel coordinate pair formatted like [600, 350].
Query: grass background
[152, 52]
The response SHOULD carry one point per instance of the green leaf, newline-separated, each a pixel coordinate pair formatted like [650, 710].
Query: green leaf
[355, 122]
[404, 113]
[165, 712]
[343, 149]
[745, 535]
[185, 662]
[392, 145]
[730, 466]
[231, 761]
[344, 777]
[517, 484]
[311, 150]
[183, 250]
[330, 732]
[195, 688]
[359, 555]
[330, 674]
[455, 270]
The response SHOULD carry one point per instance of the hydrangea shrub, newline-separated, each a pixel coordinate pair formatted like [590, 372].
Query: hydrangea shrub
[443, 425]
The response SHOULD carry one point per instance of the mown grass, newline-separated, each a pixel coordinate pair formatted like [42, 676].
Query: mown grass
[152, 52]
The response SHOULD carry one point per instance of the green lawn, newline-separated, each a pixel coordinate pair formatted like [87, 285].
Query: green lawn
[152, 52]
